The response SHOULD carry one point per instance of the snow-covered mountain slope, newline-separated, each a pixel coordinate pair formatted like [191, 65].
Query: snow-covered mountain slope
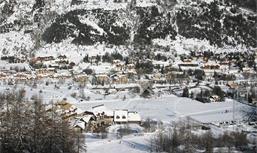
[39, 22]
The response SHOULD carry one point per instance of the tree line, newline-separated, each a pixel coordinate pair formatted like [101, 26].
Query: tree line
[183, 138]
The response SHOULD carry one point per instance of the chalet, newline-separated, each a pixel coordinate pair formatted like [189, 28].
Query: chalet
[62, 74]
[115, 62]
[158, 78]
[131, 71]
[62, 57]
[187, 59]
[51, 64]
[101, 69]
[79, 126]
[14, 59]
[232, 85]
[15, 67]
[94, 59]
[62, 62]
[118, 65]
[210, 68]
[45, 72]
[102, 79]
[104, 116]
[82, 78]
[44, 58]
[102, 111]
[131, 66]
[84, 122]
[88, 118]
[119, 79]
[199, 54]
[22, 76]
[67, 110]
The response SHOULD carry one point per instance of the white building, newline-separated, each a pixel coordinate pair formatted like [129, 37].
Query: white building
[121, 116]
[125, 116]
[134, 117]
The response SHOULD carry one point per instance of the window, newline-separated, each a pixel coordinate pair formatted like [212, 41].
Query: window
[117, 117]
[123, 117]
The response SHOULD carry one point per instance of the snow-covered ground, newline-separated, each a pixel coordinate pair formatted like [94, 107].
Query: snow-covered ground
[133, 143]
[166, 108]
[128, 144]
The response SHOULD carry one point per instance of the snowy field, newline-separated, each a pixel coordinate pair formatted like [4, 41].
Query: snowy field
[165, 108]
[168, 108]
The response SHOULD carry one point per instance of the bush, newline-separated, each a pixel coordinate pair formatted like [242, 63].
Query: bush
[149, 125]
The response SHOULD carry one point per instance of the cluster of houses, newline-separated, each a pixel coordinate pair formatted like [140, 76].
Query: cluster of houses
[116, 73]
[15, 71]
[224, 69]
[116, 1]
[100, 117]
[95, 118]
[61, 68]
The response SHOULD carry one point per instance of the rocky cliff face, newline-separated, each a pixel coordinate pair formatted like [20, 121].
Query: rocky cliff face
[230, 23]
[221, 25]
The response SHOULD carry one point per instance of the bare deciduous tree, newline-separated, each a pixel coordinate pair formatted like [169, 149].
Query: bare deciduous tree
[28, 127]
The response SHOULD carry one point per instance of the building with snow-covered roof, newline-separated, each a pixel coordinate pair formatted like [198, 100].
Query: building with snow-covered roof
[79, 125]
[125, 116]
[119, 79]
[210, 68]
[45, 58]
[45, 72]
[134, 117]
[188, 65]
[101, 110]
[84, 122]
[22, 76]
[81, 78]
[87, 118]
[17, 67]
[121, 116]
[62, 74]
[102, 79]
